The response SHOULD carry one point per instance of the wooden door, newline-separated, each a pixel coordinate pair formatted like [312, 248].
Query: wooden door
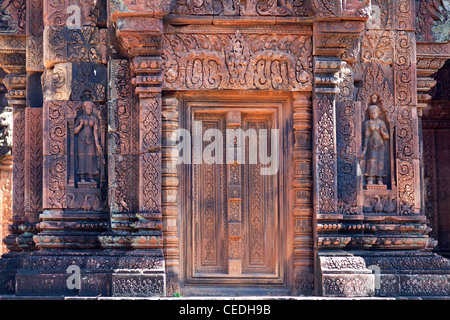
[234, 224]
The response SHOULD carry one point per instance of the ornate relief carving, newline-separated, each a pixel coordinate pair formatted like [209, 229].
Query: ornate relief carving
[55, 155]
[242, 8]
[19, 162]
[255, 61]
[86, 44]
[407, 126]
[150, 177]
[326, 172]
[123, 140]
[432, 21]
[33, 156]
[170, 198]
[35, 28]
[404, 15]
[375, 132]
[87, 133]
[326, 8]
[88, 82]
[377, 46]
[91, 12]
[346, 117]
[12, 17]
[303, 211]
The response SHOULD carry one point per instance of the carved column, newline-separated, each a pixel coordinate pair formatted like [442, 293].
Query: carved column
[123, 157]
[303, 191]
[169, 190]
[141, 222]
[148, 88]
[337, 27]
[16, 85]
[325, 158]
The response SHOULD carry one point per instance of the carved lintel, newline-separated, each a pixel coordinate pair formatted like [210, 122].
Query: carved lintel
[239, 60]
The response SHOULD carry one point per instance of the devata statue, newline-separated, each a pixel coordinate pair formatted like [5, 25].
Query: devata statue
[86, 128]
[375, 132]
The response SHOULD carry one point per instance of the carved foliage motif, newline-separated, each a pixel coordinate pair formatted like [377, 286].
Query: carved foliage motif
[326, 8]
[35, 28]
[346, 139]
[55, 155]
[242, 8]
[86, 44]
[33, 153]
[89, 82]
[326, 170]
[57, 13]
[123, 137]
[12, 17]
[375, 82]
[377, 46]
[19, 162]
[406, 125]
[150, 165]
[237, 61]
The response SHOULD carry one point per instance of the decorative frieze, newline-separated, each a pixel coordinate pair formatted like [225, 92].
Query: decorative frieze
[255, 60]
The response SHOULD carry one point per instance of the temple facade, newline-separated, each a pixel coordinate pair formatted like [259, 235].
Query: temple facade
[218, 147]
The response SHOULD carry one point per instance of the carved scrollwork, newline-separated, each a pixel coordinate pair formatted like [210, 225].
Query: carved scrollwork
[242, 8]
[255, 61]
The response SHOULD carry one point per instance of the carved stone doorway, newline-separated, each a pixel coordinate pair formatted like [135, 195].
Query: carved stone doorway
[436, 146]
[232, 215]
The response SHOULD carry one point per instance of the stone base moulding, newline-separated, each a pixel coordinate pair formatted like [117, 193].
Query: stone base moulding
[112, 273]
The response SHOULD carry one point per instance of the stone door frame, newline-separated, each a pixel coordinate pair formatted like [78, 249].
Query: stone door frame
[282, 101]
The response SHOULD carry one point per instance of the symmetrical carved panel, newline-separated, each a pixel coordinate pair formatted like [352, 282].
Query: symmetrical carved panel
[65, 186]
[86, 44]
[241, 8]
[231, 230]
[239, 60]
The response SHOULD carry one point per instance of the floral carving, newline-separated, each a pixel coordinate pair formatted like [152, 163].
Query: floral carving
[255, 61]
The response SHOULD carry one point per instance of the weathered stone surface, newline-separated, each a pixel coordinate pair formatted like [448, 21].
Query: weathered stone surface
[96, 92]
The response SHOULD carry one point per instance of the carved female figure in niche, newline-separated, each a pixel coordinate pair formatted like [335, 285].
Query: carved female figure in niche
[86, 128]
[375, 132]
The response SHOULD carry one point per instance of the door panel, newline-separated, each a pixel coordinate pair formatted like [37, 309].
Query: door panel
[234, 224]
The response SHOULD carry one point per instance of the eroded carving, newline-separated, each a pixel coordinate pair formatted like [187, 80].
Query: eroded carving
[88, 145]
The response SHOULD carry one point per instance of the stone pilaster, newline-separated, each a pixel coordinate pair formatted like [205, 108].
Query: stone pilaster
[337, 28]
[139, 31]
[16, 85]
[169, 188]
[325, 154]
[303, 191]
